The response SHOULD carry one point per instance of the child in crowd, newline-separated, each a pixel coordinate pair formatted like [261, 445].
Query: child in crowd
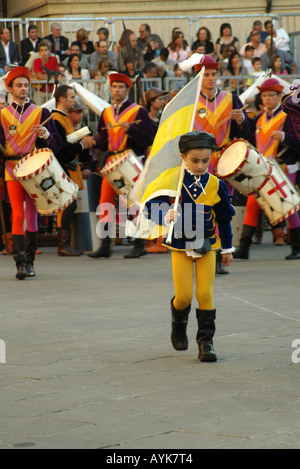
[257, 71]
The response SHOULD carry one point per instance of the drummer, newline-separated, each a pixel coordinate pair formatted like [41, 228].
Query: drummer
[19, 120]
[274, 134]
[68, 157]
[128, 135]
[219, 113]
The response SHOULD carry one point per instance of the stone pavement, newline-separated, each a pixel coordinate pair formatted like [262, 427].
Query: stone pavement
[89, 362]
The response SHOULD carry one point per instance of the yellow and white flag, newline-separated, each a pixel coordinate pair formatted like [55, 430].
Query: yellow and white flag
[161, 174]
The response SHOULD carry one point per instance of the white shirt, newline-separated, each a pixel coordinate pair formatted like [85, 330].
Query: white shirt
[6, 50]
[282, 40]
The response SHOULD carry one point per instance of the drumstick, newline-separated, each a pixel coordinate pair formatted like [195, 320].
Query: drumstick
[118, 125]
[31, 133]
[219, 124]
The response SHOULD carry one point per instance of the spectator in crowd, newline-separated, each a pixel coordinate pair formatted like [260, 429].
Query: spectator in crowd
[204, 37]
[103, 34]
[74, 70]
[60, 44]
[164, 57]
[280, 36]
[151, 51]
[30, 44]
[102, 52]
[257, 71]
[258, 26]
[277, 67]
[162, 73]
[45, 60]
[227, 51]
[288, 62]
[146, 37]
[178, 73]
[36, 55]
[103, 71]
[226, 39]
[122, 41]
[76, 49]
[9, 51]
[259, 47]
[137, 52]
[178, 48]
[82, 37]
[247, 62]
[235, 68]
[198, 47]
[149, 71]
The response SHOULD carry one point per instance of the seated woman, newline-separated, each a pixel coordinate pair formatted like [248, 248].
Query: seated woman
[204, 37]
[235, 68]
[82, 37]
[75, 72]
[178, 48]
[226, 39]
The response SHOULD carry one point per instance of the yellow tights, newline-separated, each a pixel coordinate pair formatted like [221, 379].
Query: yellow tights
[183, 278]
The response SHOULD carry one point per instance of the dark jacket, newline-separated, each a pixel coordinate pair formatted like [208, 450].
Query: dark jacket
[63, 45]
[13, 54]
[27, 47]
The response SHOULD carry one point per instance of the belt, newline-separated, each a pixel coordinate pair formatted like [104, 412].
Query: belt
[14, 158]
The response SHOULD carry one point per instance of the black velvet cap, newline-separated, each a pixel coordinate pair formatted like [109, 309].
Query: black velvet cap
[196, 139]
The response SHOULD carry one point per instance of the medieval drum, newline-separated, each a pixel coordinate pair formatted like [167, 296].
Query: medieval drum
[45, 181]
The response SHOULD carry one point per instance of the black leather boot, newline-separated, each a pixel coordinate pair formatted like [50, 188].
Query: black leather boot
[245, 242]
[295, 244]
[31, 246]
[205, 334]
[19, 256]
[179, 338]
[104, 249]
[220, 269]
[139, 249]
[64, 244]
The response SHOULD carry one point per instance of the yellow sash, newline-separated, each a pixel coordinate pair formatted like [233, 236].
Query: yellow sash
[76, 175]
[265, 145]
[117, 138]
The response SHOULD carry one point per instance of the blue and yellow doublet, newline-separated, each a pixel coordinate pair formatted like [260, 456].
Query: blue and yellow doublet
[204, 199]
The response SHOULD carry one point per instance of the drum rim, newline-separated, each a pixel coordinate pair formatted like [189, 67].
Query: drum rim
[110, 166]
[241, 164]
[27, 157]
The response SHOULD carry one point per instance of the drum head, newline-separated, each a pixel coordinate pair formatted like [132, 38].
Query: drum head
[232, 158]
[115, 162]
[33, 164]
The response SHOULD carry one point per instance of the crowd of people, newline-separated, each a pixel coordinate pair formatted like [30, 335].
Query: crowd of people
[125, 125]
[86, 60]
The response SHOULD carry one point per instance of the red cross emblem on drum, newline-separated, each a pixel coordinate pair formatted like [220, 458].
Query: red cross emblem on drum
[278, 187]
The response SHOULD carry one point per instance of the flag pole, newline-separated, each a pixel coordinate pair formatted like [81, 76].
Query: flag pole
[170, 233]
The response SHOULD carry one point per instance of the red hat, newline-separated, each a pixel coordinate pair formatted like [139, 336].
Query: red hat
[208, 62]
[271, 84]
[120, 77]
[16, 73]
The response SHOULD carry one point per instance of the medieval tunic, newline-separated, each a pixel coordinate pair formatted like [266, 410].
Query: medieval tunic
[263, 125]
[212, 117]
[16, 123]
[209, 196]
[138, 138]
